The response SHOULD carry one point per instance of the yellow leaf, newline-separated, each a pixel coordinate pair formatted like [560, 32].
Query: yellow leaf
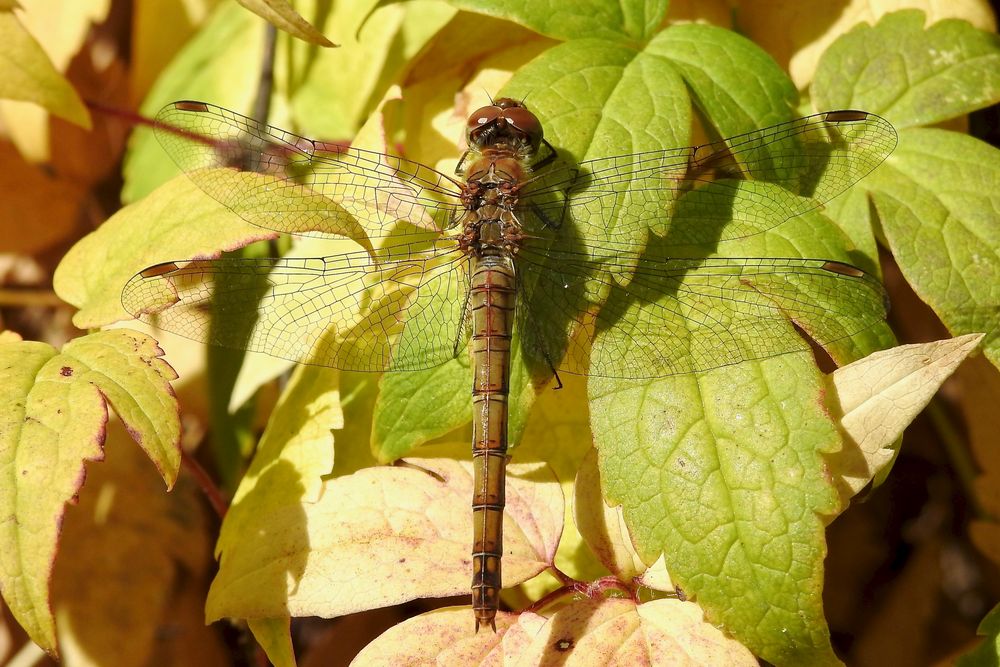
[617, 631]
[159, 31]
[875, 398]
[584, 633]
[177, 221]
[440, 637]
[603, 527]
[282, 16]
[53, 420]
[558, 433]
[274, 636]
[27, 74]
[374, 538]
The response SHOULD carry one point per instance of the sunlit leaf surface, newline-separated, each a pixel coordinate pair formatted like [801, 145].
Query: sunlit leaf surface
[54, 419]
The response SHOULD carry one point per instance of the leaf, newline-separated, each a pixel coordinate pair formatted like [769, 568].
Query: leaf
[53, 421]
[616, 631]
[177, 222]
[939, 209]
[629, 20]
[584, 633]
[723, 474]
[159, 31]
[558, 433]
[327, 94]
[284, 17]
[128, 553]
[414, 408]
[27, 74]
[808, 30]
[704, 56]
[298, 438]
[33, 193]
[363, 544]
[338, 91]
[274, 636]
[988, 652]
[439, 637]
[910, 75]
[875, 398]
[211, 66]
[603, 527]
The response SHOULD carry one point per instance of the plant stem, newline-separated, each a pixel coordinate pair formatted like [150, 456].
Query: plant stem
[208, 487]
[29, 297]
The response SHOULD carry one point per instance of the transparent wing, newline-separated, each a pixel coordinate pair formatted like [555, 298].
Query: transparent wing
[281, 181]
[679, 316]
[342, 311]
[720, 191]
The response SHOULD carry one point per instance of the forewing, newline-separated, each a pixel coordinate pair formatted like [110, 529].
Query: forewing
[291, 184]
[720, 191]
[344, 311]
[678, 316]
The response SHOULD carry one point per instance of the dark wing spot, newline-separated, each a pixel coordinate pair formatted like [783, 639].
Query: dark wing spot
[197, 107]
[843, 269]
[66, 371]
[159, 270]
[846, 116]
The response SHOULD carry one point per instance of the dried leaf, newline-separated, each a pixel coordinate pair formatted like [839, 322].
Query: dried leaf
[877, 397]
[283, 16]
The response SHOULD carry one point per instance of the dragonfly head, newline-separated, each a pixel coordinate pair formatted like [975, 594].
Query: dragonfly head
[506, 121]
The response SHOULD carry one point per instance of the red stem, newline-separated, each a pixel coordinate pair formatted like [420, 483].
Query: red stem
[208, 487]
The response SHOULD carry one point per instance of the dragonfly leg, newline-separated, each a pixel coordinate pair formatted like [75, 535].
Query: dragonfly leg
[460, 167]
[547, 160]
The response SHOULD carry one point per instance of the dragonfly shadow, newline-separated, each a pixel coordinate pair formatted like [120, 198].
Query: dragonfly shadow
[648, 294]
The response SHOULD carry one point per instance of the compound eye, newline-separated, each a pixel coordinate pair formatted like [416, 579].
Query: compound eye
[525, 121]
[483, 116]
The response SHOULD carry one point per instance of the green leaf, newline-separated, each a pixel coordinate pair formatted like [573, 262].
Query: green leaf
[607, 99]
[52, 422]
[415, 408]
[283, 16]
[938, 201]
[628, 20]
[736, 85]
[332, 93]
[212, 66]
[910, 75]
[323, 93]
[27, 74]
[987, 654]
[723, 473]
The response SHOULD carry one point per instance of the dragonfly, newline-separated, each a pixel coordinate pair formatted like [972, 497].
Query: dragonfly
[582, 267]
